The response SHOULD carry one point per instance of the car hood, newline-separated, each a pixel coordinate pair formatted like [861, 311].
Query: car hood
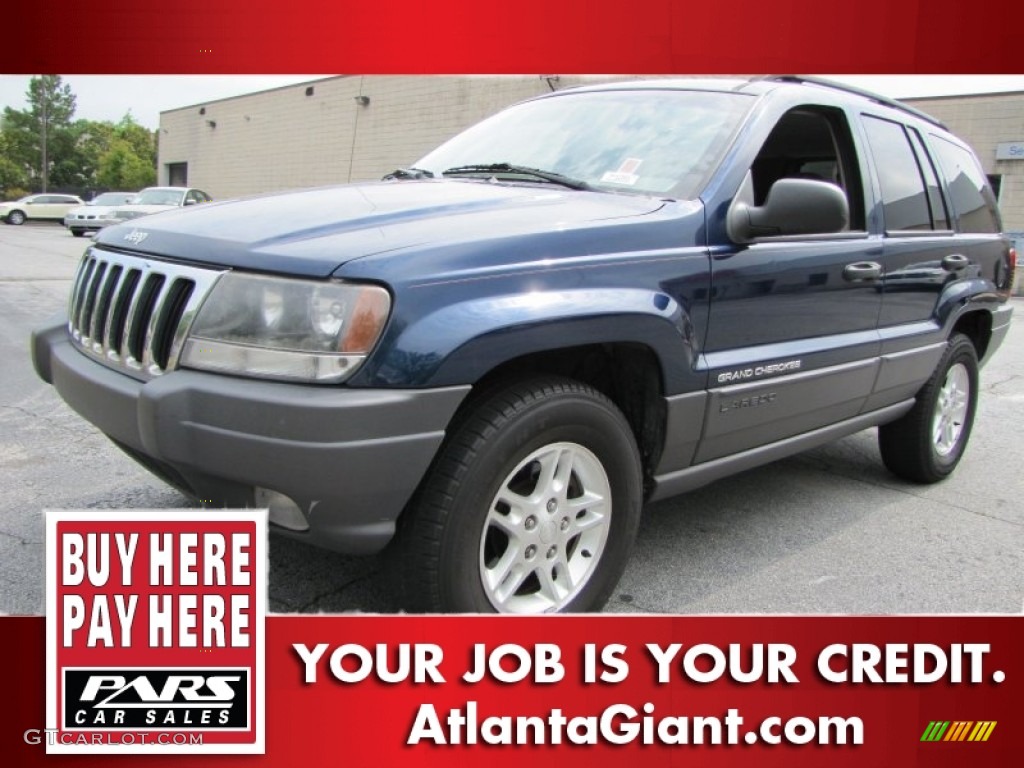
[93, 210]
[144, 208]
[314, 232]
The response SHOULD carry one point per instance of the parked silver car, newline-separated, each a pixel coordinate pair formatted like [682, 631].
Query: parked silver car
[156, 199]
[96, 213]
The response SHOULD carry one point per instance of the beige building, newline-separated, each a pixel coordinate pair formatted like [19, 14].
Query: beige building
[355, 128]
[329, 131]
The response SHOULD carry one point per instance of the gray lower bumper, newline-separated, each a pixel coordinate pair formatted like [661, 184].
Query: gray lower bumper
[350, 459]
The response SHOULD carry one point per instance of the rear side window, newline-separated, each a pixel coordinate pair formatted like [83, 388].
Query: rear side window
[974, 205]
[940, 217]
[904, 197]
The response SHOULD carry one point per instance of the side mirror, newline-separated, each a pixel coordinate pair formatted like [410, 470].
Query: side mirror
[793, 207]
[190, 202]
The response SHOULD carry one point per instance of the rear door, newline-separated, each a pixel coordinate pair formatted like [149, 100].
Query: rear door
[925, 259]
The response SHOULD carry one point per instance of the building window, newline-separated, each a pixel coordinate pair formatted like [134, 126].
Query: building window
[995, 180]
[177, 174]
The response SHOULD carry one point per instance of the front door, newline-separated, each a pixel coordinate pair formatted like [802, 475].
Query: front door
[792, 339]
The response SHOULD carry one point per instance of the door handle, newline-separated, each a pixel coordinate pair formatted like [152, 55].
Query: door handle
[954, 262]
[862, 270]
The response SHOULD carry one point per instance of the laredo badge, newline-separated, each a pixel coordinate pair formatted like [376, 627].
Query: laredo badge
[155, 631]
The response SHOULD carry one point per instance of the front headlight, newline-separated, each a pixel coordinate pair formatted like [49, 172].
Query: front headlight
[286, 329]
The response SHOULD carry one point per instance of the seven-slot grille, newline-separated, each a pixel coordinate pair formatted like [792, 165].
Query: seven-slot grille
[132, 313]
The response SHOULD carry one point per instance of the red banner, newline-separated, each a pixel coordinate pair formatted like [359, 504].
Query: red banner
[787, 691]
[411, 36]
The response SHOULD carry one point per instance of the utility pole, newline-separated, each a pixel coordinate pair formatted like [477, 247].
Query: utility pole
[46, 116]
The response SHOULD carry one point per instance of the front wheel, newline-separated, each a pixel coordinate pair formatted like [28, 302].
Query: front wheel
[16, 217]
[78, 232]
[532, 506]
[927, 443]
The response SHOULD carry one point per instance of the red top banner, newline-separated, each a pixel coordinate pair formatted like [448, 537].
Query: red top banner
[410, 36]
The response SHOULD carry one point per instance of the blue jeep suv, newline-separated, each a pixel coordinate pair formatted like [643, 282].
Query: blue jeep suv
[488, 362]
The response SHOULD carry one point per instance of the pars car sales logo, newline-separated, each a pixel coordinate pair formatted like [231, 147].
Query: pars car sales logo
[155, 631]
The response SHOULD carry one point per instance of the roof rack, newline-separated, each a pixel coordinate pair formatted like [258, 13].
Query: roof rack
[876, 97]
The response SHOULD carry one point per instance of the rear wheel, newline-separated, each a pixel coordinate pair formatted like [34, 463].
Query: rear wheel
[532, 506]
[78, 232]
[16, 217]
[927, 443]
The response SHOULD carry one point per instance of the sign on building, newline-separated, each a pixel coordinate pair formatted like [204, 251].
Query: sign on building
[1010, 150]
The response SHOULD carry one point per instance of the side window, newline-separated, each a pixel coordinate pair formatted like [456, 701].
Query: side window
[904, 198]
[811, 143]
[971, 196]
[940, 217]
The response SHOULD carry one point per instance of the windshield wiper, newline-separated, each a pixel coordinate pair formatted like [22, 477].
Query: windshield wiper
[408, 173]
[520, 170]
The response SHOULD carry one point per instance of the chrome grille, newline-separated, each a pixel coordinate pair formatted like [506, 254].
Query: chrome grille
[132, 313]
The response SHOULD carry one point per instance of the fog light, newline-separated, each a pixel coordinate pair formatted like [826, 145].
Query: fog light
[283, 511]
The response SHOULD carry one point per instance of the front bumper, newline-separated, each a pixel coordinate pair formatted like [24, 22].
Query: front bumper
[95, 223]
[350, 459]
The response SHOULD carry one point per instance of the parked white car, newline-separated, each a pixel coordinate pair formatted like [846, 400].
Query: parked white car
[156, 199]
[96, 213]
[43, 207]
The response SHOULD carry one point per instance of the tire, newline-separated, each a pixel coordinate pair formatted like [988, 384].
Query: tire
[926, 444]
[16, 217]
[78, 232]
[532, 506]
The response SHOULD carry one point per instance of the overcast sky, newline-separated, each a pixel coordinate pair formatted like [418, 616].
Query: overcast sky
[110, 97]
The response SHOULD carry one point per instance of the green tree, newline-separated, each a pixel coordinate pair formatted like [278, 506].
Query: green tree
[121, 167]
[13, 178]
[80, 154]
[142, 140]
[39, 137]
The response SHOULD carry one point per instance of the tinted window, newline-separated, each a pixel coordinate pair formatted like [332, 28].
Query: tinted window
[973, 202]
[904, 199]
[940, 219]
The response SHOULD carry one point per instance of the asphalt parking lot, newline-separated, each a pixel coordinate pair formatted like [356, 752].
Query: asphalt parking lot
[829, 531]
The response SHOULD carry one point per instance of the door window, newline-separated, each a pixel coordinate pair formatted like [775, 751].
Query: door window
[811, 143]
[904, 197]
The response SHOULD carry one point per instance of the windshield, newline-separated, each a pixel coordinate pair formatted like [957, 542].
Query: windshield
[112, 198]
[159, 197]
[644, 141]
